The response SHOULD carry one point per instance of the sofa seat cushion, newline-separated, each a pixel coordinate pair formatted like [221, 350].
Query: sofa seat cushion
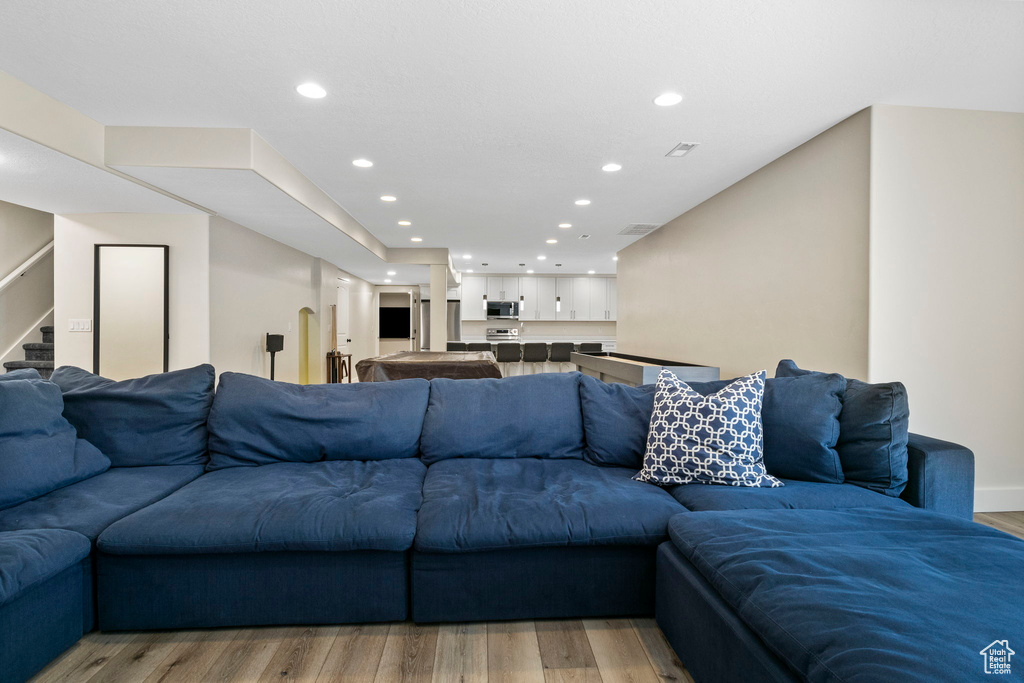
[336, 505]
[794, 495]
[865, 594]
[31, 557]
[90, 506]
[483, 504]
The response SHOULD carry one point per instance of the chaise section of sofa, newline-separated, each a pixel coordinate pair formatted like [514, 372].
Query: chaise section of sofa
[306, 515]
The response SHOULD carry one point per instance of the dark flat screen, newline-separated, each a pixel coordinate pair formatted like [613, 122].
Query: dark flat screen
[394, 323]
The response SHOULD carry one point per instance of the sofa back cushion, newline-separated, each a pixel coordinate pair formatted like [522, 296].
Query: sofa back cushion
[154, 420]
[800, 421]
[256, 421]
[22, 373]
[873, 432]
[39, 451]
[531, 416]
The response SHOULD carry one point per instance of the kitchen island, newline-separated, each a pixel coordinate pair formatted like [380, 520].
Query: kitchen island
[636, 370]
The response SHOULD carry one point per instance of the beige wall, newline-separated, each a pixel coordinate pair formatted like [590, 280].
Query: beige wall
[188, 237]
[258, 285]
[775, 266]
[947, 281]
[26, 303]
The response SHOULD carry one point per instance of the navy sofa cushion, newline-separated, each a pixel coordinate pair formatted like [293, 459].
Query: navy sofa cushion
[324, 506]
[39, 451]
[800, 420]
[873, 433]
[154, 420]
[23, 373]
[255, 421]
[90, 506]
[31, 557]
[516, 417]
[862, 594]
[795, 494]
[616, 418]
[481, 504]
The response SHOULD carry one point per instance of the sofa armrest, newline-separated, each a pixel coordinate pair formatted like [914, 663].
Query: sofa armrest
[941, 476]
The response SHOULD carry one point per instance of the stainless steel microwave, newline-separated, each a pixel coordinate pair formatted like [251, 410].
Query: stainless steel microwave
[503, 310]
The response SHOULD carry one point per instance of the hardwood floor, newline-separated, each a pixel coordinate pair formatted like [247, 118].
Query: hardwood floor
[557, 651]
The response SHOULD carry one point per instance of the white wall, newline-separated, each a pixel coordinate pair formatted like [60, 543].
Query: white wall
[773, 267]
[258, 285]
[188, 238]
[947, 281]
[25, 304]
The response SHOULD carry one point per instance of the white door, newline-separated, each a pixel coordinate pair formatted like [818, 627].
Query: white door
[581, 298]
[613, 298]
[528, 290]
[494, 291]
[546, 293]
[563, 292]
[473, 291]
[342, 314]
[510, 289]
[598, 298]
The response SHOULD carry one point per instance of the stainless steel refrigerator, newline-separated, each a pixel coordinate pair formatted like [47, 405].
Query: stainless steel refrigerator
[454, 323]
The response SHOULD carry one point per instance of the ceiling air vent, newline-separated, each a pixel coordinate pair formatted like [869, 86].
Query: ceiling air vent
[584, 237]
[681, 149]
[639, 229]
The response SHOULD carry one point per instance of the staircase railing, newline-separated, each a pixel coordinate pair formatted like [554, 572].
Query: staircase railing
[25, 267]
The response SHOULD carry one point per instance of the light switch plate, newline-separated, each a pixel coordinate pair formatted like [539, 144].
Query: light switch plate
[79, 325]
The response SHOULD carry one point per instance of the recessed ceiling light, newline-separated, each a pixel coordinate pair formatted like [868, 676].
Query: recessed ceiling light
[362, 163]
[565, 225]
[416, 239]
[406, 223]
[387, 281]
[311, 90]
[590, 272]
[611, 168]
[343, 279]
[467, 256]
[391, 272]
[529, 271]
[387, 198]
[615, 258]
[541, 258]
[470, 270]
[582, 202]
[552, 241]
[667, 99]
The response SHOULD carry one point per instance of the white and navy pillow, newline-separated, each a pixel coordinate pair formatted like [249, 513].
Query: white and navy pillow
[714, 439]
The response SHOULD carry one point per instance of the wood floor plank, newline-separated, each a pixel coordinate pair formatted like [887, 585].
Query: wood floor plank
[565, 652]
[141, 657]
[84, 658]
[408, 654]
[355, 655]
[619, 654]
[661, 655]
[300, 656]
[1004, 521]
[461, 655]
[247, 656]
[513, 654]
[192, 658]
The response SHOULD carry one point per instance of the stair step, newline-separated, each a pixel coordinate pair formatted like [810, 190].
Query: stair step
[45, 367]
[37, 351]
[47, 331]
[46, 328]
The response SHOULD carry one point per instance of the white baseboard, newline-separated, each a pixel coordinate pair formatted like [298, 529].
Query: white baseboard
[1001, 499]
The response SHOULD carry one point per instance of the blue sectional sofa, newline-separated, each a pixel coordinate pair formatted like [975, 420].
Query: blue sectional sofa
[270, 503]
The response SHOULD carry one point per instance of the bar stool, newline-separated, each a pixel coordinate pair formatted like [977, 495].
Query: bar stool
[533, 353]
[478, 346]
[509, 353]
[591, 347]
[560, 353]
[457, 346]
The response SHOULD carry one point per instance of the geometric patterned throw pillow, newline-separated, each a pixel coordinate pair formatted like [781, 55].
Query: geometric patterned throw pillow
[714, 439]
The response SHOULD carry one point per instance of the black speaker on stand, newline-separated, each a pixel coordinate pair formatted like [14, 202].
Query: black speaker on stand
[275, 343]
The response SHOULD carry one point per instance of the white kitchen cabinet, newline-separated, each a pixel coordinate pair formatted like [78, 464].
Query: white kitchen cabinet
[581, 287]
[503, 289]
[598, 298]
[528, 309]
[473, 291]
[613, 298]
[546, 293]
[563, 292]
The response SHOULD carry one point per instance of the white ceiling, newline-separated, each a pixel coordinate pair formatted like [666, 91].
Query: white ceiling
[38, 177]
[488, 118]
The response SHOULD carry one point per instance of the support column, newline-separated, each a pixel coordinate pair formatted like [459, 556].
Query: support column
[438, 307]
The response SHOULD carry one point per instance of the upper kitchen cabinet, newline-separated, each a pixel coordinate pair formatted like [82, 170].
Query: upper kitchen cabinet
[473, 291]
[503, 289]
[563, 294]
[537, 298]
[546, 293]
